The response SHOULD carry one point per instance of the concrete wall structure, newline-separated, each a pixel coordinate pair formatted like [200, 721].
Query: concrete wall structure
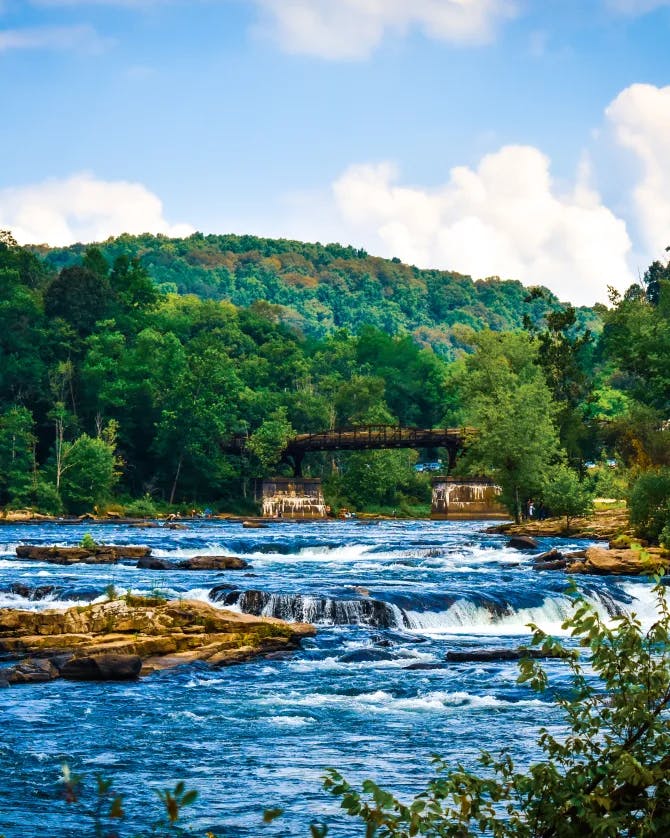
[466, 498]
[293, 497]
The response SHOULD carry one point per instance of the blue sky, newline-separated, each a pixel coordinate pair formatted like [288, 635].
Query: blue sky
[523, 138]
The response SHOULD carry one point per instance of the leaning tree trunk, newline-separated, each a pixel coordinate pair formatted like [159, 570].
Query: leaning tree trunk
[176, 478]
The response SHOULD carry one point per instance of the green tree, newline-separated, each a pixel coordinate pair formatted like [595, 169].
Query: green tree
[90, 471]
[80, 297]
[609, 776]
[268, 443]
[649, 503]
[564, 356]
[565, 494]
[507, 400]
[17, 456]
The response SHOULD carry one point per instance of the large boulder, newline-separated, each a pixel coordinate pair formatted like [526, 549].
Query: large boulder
[213, 563]
[104, 667]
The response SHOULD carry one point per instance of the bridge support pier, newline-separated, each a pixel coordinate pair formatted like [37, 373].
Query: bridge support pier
[466, 498]
[293, 497]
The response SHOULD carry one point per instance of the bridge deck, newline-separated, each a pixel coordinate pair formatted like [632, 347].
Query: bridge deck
[367, 437]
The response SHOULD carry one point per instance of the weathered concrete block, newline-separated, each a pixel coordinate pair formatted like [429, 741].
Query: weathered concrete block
[463, 498]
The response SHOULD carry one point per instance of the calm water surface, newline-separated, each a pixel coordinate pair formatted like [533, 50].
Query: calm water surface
[261, 734]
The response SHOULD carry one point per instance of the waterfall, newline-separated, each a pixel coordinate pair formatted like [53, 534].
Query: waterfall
[312, 609]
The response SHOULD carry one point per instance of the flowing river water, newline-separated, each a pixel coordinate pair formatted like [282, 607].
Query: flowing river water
[388, 599]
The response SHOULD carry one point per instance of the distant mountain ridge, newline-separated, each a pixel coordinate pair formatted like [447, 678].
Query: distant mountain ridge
[321, 288]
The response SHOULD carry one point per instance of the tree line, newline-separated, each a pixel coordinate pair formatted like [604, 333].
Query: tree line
[115, 388]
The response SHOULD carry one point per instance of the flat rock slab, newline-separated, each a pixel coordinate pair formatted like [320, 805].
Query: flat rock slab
[214, 563]
[626, 562]
[194, 563]
[101, 554]
[120, 639]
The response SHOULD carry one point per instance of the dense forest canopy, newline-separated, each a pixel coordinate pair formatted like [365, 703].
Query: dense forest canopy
[125, 365]
[321, 288]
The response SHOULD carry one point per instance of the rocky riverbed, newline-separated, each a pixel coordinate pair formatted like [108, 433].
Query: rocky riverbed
[123, 638]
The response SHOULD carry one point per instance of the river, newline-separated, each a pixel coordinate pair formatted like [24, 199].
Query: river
[261, 734]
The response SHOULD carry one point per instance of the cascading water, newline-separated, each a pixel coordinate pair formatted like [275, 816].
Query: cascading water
[372, 694]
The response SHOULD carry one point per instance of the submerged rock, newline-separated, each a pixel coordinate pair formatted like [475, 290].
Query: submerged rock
[367, 656]
[522, 542]
[105, 641]
[35, 594]
[494, 655]
[254, 525]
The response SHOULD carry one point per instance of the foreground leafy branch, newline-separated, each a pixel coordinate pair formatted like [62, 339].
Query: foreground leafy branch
[609, 777]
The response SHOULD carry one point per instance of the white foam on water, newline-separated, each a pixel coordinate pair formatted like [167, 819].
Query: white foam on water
[384, 702]
[23, 604]
[644, 603]
[465, 617]
[212, 548]
[290, 721]
[346, 554]
[333, 663]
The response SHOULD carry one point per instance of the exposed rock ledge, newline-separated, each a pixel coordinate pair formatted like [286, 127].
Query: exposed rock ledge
[124, 638]
[603, 525]
[101, 554]
[601, 562]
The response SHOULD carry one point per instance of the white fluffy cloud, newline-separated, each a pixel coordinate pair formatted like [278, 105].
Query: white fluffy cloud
[351, 29]
[506, 218]
[640, 115]
[82, 209]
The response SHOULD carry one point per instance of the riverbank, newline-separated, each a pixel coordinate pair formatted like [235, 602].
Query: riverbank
[602, 525]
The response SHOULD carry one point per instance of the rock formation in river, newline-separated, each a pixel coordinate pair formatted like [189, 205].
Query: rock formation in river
[100, 554]
[105, 641]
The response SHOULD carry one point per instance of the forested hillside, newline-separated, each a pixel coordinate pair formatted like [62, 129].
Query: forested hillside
[318, 289]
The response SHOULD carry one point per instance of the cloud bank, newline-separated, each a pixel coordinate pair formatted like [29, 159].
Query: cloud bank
[505, 217]
[352, 29]
[82, 208]
[640, 116]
